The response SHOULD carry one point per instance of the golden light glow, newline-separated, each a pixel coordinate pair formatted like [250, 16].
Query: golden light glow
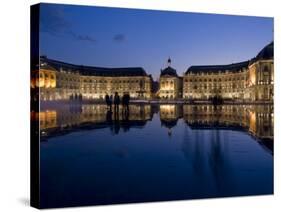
[252, 76]
[168, 111]
[48, 119]
[252, 122]
[41, 79]
[167, 108]
[44, 79]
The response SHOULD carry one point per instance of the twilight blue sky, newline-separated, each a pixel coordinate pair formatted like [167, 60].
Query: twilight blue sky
[112, 37]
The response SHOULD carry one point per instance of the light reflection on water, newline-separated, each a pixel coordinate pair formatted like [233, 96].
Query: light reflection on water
[92, 156]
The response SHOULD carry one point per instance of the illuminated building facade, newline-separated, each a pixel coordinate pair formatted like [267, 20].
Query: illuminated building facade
[250, 80]
[170, 84]
[62, 81]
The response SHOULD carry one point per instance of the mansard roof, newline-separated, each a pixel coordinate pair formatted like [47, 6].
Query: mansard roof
[266, 53]
[92, 70]
[234, 67]
[169, 71]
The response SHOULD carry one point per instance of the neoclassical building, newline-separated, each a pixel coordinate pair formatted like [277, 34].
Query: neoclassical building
[170, 84]
[61, 81]
[249, 80]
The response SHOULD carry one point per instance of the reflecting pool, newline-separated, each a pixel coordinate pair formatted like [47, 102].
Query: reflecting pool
[90, 155]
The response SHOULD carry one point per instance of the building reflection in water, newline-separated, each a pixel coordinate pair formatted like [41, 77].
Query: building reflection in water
[169, 116]
[69, 118]
[213, 156]
[257, 120]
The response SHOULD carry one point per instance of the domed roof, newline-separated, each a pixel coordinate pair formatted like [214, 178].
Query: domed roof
[169, 71]
[266, 52]
[169, 123]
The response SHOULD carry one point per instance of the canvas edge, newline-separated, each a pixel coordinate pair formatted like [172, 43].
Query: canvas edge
[34, 107]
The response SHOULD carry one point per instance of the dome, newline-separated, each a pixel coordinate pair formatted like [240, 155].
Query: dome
[169, 72]
[266, 52]
[169, 123]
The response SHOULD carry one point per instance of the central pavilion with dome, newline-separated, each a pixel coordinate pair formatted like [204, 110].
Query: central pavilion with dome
[170, 84]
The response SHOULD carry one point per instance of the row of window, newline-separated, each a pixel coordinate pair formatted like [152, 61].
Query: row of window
[115, 81]
[241, 85]
[215, 80]
[47, 76]
[97, 81]
[218, 89]
[68, 79]
[171, 82]
[114, 88]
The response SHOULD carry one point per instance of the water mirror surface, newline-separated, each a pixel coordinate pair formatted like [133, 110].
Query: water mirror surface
[90, 155]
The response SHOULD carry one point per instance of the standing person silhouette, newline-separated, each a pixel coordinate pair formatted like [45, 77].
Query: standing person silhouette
[123, 101]
[107, 100]
[116, 102]
[110, 102]
[127, 101]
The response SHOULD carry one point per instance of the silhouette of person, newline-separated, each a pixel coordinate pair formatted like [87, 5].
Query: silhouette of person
[71, 97]
[110, 102]
[116, 102]
[127, 101]
[109, 117]
[107, 101]
[123, 101]
[116, 123]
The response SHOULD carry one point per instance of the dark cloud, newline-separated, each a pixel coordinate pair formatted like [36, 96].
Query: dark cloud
[53, 21]
[119, 37]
